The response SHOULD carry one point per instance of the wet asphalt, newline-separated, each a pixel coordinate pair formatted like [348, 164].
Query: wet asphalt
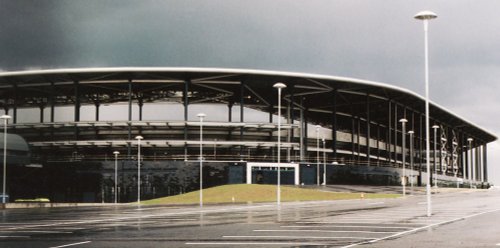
[460, 218]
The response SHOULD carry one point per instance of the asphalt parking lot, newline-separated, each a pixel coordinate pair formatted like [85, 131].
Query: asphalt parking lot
[460, 218]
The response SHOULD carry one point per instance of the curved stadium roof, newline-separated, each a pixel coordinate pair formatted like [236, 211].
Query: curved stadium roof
[261, 80]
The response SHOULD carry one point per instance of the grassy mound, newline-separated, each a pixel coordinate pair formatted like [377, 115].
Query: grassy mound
[260, 193]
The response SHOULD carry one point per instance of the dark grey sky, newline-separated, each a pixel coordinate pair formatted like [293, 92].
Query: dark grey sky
[376, 40]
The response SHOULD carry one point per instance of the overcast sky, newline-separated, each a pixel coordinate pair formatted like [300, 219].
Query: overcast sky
[376, 40]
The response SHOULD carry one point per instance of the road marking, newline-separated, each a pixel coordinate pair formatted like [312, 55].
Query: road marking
[39, 231]
[376, 203]
[340, 226]
[498, 244]
[252, 243]
[419, 228]
[350, 222]
[295, 237]
[4, 237]
[79, 243]
[324, 231]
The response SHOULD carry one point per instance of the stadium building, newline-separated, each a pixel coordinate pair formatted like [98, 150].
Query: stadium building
[334, 130]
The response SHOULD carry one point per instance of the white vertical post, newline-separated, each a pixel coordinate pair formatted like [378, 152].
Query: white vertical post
[317, 154]
[5, 119]
[201, 116]
[139, 138]
[471, 162]
[425, 16]
[279, 86]
[403, 152]
[324, 162]
[116, 175]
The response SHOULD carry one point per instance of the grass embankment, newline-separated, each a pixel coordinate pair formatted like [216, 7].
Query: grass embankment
[260, 193]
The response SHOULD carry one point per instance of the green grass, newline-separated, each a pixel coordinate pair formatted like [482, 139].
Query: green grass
[243, 193]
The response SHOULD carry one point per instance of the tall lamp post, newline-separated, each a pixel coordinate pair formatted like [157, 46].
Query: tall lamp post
[403, 152]
[425, 16]
[435, 127]
[139, 138]
[324, 161]
[279, 86]
[411, 132]
[5, 119]
[116, 153]
[201, 116]
[471, 178]
[317, 154]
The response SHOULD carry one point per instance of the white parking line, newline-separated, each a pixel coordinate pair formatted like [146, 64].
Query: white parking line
[351, 222]
[344, 226]
[252, 243]
[73, 244]
[38, 231]
[295, 237]
[6, 237]
[322, 231]
[419, 228]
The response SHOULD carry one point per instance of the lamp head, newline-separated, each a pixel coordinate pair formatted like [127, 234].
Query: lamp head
[279, 85]
[116, 152]
[138, 137]
[403, 120]
[201, 115]
[425, 15]
[5, 117]
[411, 132]
[435, 126]
[470, 139]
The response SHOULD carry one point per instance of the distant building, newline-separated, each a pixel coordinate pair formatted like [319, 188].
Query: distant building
[74, 119]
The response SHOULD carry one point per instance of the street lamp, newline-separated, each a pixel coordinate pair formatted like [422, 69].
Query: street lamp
[201, 116]
[403, 152]
[116, 175]
[5, 119]
[139, 138]
[324, 162]
[279, 86]
[425, 16]
[411, 132]
[435, 127]
[471, 161]
[317, 154]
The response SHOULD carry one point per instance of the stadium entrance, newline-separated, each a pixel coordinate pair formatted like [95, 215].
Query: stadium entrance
[266, 173]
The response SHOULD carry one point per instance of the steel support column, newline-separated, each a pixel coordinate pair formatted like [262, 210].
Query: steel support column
[306, 136]
[185, 97]
[353, 144]
[52, 101]
[14, 107]
[140, 104]
[368, 131]
[230, 111]
[291, 89]
[97, 105]
[42, 107]
[334, 125]
[395, 134]
[242, 113]
[389, 134]
[76, 86]
[301, 131]
[485, 162]
[129, 131]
